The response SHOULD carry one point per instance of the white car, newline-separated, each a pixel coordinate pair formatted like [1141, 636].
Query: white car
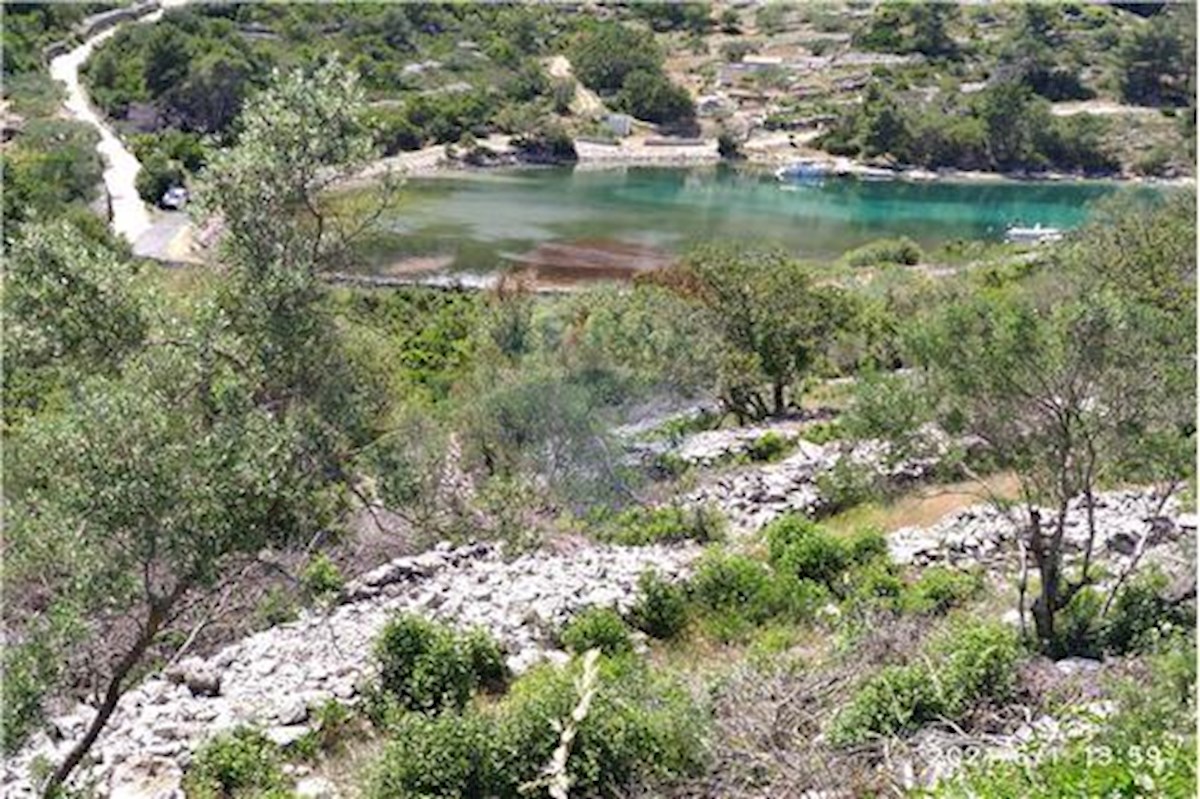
[175, 197]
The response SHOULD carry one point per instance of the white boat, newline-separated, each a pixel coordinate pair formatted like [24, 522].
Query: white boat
[802, 171]
[876, 173]
[1032, 235]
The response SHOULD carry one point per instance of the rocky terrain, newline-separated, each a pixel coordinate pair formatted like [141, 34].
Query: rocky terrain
[273, 679]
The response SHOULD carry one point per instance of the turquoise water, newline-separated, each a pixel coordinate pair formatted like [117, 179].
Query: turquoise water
[479, 222]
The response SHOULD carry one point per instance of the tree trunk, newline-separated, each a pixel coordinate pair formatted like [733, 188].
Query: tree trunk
[111, 697]
[780, 402]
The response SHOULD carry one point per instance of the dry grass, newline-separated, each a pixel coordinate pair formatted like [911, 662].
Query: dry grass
[924, 506]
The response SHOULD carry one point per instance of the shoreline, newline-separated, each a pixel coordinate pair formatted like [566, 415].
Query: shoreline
[432, 162]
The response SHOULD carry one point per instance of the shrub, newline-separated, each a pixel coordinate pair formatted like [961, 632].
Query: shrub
[242, 762]
[604, 56]
[846, 484]
[975, 661]
[803, 548]
[661, 609]
[768, 447]
[486, 659]
[729, 146]
[867, 544]
[876, 584]
[939, 589]
[449, 754]
[639, 726]
[966, 664]
[653, 97]
[733, 582]
[902, 250]
[1078, 629]
[897, 700]
[667, 525]
[424, 666]
[597, 628]
[157, 175]
[321, 578]
[277, 607]
[1140, 618]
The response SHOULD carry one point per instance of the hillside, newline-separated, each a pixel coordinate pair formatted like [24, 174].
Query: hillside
[913, 519]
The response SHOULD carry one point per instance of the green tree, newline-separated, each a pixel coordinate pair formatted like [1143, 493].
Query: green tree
[653, 97]
[228, 431]
[1074, 381]
[72, 307]
[605, 54]
[772, 314]
[1158, 59]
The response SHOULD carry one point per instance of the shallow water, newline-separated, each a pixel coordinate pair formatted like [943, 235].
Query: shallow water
[493, 219]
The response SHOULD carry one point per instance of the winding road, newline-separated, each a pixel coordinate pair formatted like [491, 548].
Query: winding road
[150, 233]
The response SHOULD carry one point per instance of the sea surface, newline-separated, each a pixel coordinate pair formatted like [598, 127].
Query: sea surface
[486, 221]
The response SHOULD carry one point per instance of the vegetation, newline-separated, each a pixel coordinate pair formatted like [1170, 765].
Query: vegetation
[975, 662]
[597, 628]
[169, 433]
[423, 666]
[638, 725]
[1034, 382]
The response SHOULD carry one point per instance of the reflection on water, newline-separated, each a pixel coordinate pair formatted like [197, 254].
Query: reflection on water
[485, 222]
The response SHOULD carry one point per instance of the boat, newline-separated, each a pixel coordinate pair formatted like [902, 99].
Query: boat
[1032, 235]
[802, 171]
[876, 173]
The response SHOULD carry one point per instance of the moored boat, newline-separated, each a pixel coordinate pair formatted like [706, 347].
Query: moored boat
[1032, 235]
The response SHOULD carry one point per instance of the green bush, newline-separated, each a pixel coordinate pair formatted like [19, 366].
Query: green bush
[939, 589]
[661, 609]
[800, 547]
[242, 762]
[733, 582]
[902, 250]
[157, 175]
[847, 484]
[867, 544]
[1140, 619]
[640, 726]
[597, 628]
[653, 97]
[768, 447]
[667, 525]
[29, 671]
[899, 699]
[1146, 748]
[321, 578]
[1079, 627]
[876, 585]
[975, 661]
[606, 54]
[966, 664]
[449, 754]
[425, 666]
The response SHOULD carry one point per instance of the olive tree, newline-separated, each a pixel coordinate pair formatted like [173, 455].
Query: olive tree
[778, 322]
[223, 428]
[1074, 381]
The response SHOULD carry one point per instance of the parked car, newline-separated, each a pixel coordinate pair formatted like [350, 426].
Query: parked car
[175, 197]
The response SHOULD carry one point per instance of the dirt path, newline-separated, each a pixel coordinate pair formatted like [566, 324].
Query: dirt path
[131, 217]
[586, 102]
[1100, 108]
